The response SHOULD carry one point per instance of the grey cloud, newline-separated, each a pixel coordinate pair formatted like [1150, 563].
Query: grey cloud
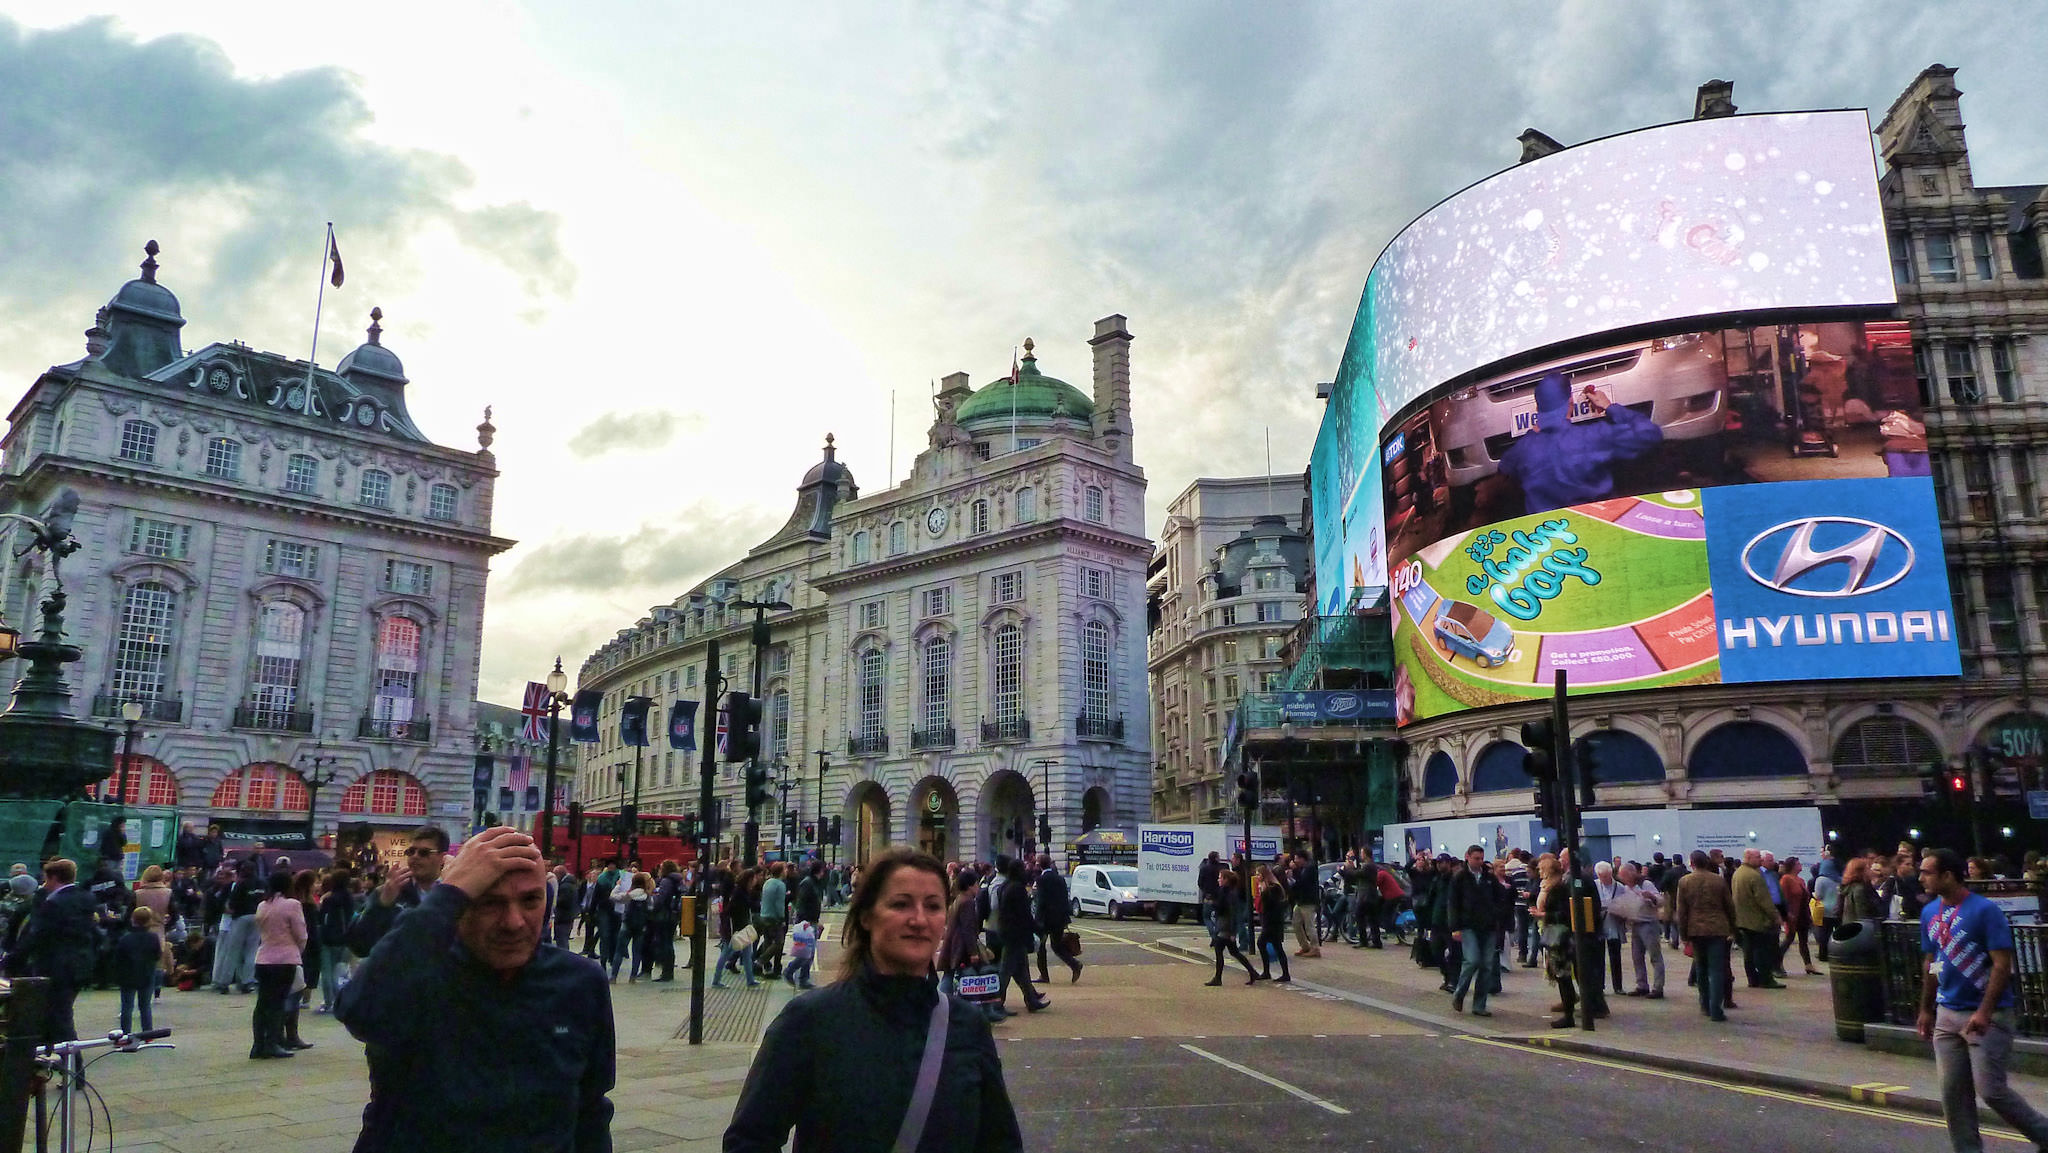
[631, 432]
[659, 561]
[106, 141]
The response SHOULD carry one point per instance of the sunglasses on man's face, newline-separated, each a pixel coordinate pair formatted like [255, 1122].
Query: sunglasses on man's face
[423, 852]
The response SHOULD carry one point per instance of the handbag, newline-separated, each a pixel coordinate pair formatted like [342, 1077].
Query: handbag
[912, 1130]
[745, 936]
[1070, 943]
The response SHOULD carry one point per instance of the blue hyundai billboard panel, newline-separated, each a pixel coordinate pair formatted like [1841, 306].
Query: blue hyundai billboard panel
[1830, 580]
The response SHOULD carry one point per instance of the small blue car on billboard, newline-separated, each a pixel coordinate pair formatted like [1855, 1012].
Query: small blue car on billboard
[1471, 630]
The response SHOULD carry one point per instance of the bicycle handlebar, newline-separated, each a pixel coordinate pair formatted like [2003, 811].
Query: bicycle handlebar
[115, 1039]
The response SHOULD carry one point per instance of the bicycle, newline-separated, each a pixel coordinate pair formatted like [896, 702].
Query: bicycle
[65, 1063]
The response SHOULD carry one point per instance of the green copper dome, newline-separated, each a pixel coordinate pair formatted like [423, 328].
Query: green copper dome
[1037, 396]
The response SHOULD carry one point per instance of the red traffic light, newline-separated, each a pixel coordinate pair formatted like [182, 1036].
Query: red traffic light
[1957, 784]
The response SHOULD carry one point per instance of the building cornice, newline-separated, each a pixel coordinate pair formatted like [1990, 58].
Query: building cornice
[1062, 529]
[661, 656]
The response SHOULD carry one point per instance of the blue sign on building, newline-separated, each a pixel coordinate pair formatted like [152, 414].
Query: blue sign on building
[1337, 705]
[1829, 579]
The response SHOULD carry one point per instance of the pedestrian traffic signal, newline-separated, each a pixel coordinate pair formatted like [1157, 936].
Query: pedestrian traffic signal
[810, 833]
[743, 727]
[789, 828]
[629, 818]
[833, 836]
[1247, 790]
[1539, 745]
[757, 787]
[1586, 763]
[575, 819]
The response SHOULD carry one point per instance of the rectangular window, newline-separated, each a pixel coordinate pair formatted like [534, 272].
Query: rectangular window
[778, 723]
[441, 502]
[1095, 584]
[1902, 259]
[672, 679]
[1006, 675]
[301, 473]
[1980, 255]
[1923, 372]
[1230, 686]
[160, 538]
[871, 615]
[224, 458]
[1008, 587]
[1959, 360]
[1093, 506]
[1024, 442]
[977, 517]
[778, 659]
[375, 490]
[1979, 503]
[290, 558]
[2023, 479]
[870, 698]
[1027, 505]
[690, 677]
[138, 441]
[1270, 611]
[2002, 369]
[1270, 682]
[1229, 615]
[938, 602]
[2001, 609]
[1269, 647]
[405, 576]
[1229, 652]
[1941, 257]
[938, 686]
[899, 538]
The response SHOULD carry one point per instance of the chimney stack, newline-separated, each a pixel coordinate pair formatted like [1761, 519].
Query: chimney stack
[1112, 345]
[1715, 98]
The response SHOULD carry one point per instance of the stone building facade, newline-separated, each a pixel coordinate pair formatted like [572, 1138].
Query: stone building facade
[1226, 584]
[278, 566]
[964, 652]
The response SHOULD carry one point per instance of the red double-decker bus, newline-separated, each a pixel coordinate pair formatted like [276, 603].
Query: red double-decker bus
[662, 837]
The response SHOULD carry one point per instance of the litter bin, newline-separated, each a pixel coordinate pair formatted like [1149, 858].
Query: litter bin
[1856, 978]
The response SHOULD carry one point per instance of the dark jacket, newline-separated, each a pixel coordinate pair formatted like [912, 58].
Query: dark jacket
[243, 895]
[839, 1066]
[1013, 915]
[337, 910]
[810, 899]
[1272, 908]
[1205, 878]
[1051, 902]
[377, 918]
[62, 938]
[464, 1058]
[1480, 902]
[136, 955]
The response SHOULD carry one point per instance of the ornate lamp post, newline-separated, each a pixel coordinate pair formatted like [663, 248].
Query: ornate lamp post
[558, 683]
[321, 776]
[131, 715]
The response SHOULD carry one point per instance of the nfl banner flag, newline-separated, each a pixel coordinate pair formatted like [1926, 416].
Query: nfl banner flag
[533, 798]
[583, 715]
[504, 801]
[682, 725]
[485, 773]
[633, 721]
[535, 709]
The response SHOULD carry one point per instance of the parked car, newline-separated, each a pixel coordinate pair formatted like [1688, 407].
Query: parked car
[1111, 890]
[1471, 630]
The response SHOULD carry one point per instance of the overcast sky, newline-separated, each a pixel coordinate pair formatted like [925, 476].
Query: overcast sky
[675, 244]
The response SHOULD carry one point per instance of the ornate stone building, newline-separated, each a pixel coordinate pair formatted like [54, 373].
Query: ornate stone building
[278, 566]
[964, 651]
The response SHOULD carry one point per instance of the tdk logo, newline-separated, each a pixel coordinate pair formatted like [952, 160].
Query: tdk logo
[1852, 558]
[1172, 842]
[1831, 557]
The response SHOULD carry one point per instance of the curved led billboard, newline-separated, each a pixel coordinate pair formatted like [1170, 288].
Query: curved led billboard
[1701, 218]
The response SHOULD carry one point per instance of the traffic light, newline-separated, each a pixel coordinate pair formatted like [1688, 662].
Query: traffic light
[1045, 832]
[1539, 760]
[1248, 790]
[629, 819]
[1957, 788]
[743, 728]
[757, 787]
[833, 836]
[810, 833]
[1587, 758]
[788, 829]
[575, 819]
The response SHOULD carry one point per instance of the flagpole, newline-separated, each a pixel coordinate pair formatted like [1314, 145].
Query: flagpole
[1013, 398]
[892, 438]
[319, 302]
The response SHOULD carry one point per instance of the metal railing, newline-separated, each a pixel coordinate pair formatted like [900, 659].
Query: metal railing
[866, 745]
[376, 729]
[1015, 728]
[941, 738]
[273, 718]
[1101, 728]
[1904, 967]
[164, 710]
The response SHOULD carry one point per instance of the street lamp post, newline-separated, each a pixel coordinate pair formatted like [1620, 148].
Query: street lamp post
[131, 715]
[782, 785]
[759, 637]
[318, 779]
[824, 762]
[1045, 808]
[558, 683]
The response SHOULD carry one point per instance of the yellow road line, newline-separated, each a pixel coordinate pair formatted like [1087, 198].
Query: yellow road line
[1750, 1090]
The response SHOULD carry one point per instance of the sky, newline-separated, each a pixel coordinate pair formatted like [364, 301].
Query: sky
[673, 245]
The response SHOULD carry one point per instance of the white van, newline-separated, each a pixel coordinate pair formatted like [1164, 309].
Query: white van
[1111, 890]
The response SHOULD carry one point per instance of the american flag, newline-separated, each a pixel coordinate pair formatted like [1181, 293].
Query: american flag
[522, 771]
[535, 709]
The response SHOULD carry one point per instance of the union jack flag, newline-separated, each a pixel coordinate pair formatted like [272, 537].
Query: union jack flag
[535, 710]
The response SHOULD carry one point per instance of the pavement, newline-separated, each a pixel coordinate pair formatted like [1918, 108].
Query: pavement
[1778, 1039]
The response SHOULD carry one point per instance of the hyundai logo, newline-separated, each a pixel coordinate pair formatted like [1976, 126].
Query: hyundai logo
[1797, 557]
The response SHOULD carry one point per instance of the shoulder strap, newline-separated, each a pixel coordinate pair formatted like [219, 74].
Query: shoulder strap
[927, 1079]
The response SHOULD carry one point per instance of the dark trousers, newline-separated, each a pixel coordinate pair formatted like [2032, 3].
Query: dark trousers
[1368, 918]
[1053, 939]
[1759, 955]
[1562, 962]
[661, 946]
[593, 933]
[609, 931]
[562, 932]
[1273, 938]
[266, 1022]
[1016, 965]
[1525, 934]
[1220, 944]
[1449, 957]
[1799, 934]
[1826, 932]
[1710, 961]
[60, 1026]
[1614, 962]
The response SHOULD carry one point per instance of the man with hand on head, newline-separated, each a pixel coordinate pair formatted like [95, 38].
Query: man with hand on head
[477, 1038]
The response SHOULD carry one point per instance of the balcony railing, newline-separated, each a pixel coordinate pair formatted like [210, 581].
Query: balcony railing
[1014, 728]
[162, 710]
[941, 738]
[1099, 728]
[866, 744]
[377, 729]
[273, 718]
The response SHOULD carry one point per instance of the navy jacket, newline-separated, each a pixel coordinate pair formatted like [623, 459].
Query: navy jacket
[463, 1058]
[63, 935]
[377, 918]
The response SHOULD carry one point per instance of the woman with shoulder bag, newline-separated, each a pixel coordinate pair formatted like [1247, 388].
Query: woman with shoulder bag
[1224, 936]
[1272, 925]
[886, 1061]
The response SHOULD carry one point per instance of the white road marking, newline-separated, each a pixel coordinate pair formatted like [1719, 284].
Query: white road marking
[1275, 1082]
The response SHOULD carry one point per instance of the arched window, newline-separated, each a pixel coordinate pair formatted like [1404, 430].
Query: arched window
[138, 441]
[1006, 676]
[386, 792]
[860, 548]
[375, 489]
[1027, 505]
[899, 536]
[142, 649]
[938, 687]
[1097, 702]
[1885, 746]
[1439, 776]
[1617, 757]
[869, 695]
[150, 782]
[274, 690]
[1499, 769]
[1092, 507]
[398, 669]
[778, 723]
[1746, 749]
[262, 786]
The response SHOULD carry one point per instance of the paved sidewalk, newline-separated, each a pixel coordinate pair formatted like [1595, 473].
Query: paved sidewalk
[1782, 1039]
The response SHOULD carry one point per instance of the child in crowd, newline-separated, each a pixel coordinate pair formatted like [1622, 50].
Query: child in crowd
[141, 957]
[192, 960]
[803, 942]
